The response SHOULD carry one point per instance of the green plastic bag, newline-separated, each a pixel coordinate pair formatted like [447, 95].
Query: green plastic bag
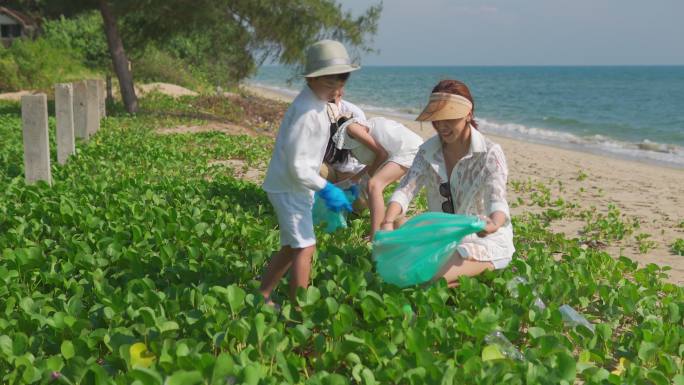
[414, 253]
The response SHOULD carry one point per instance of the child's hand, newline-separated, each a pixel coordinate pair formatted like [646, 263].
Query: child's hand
[334, 198]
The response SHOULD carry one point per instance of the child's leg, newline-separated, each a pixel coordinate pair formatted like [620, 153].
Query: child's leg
[297, 239]
[275, 270]
[457, 267]
[389, 173]
[301, 269]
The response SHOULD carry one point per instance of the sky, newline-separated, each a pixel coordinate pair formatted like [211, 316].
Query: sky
[526, 32]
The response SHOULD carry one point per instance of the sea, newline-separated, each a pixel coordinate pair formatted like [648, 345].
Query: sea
[633, 112]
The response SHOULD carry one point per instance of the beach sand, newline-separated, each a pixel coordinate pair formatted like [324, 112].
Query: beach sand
[650, 195]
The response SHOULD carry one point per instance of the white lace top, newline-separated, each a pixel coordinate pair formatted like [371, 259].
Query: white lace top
[478, 187]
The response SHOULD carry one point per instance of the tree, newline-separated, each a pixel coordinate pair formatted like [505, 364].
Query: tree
[233, 36]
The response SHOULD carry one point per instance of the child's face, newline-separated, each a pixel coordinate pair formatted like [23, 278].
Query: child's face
[327, 88]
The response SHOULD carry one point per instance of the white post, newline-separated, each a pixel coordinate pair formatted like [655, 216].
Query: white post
[34, 118]
[64, 111]
[92, 107]
[80, 115]
[102, 93]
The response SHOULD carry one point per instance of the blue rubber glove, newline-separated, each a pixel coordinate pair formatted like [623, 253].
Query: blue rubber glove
[355, 190]
[334, 198]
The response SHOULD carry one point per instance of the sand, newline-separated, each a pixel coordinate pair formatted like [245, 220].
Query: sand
[14, 96]
[649, 194]
[164, 88]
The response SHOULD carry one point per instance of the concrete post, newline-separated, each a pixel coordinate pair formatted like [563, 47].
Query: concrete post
[92, 107]
[64, 109]
[80, 115]
[34, 118]
[102, 95]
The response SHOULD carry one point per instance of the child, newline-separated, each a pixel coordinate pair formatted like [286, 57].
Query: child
[293, 173]
[386, 147]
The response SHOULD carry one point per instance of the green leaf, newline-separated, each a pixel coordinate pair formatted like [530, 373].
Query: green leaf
[146, 376]
[168, 326]
[6, 346]
[491, 352]
[67, 349]
[567, 366]
[658, 377]
[284, 368]
[236, 298]
[183, 377]
[678, 379]
[647, 351]
[201, 228]
[223, 367]
[536, 332]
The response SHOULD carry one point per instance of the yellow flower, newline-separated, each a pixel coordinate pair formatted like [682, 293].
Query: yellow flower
[140, 356]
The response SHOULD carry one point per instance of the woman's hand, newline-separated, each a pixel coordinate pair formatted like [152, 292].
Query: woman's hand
[490, 227]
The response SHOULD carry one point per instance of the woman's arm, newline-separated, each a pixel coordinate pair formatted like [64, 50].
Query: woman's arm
[360, 133]
[495, 191]
[409, 186]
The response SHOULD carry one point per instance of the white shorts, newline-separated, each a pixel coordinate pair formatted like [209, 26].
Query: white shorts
[295, 219]
[474, 251]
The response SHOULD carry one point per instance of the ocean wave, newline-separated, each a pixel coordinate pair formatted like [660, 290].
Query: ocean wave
[661, 153]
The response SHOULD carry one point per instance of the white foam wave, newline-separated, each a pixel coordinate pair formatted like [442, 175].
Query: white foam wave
[668, 154]
[647, 150]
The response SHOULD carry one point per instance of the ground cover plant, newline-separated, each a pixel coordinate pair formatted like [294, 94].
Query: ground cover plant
[140, 265]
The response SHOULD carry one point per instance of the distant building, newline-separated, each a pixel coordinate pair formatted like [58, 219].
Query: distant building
[13, 25]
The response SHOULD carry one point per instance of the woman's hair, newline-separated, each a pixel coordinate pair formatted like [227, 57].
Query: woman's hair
[332, 153]
[456, 87]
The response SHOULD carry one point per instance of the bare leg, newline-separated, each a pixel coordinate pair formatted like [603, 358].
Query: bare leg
[457, 267]
[275, 270]
[301, 269]
[389, 173]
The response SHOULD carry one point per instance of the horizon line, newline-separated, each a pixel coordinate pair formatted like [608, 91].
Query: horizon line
[504, 65]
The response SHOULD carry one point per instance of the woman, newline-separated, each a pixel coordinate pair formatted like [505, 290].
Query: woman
[385, 147]
[464, 173]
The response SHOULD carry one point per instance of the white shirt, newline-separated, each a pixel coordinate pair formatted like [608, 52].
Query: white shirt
[477, 184]
[351, 108]
[399, 141]
[352, 164]
[300, 147]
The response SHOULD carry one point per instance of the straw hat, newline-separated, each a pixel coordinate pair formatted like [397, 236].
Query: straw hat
[327, 57]
[445, 106]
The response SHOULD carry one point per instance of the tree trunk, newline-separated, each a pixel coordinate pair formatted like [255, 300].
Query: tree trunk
[110, 95]
[119, 59]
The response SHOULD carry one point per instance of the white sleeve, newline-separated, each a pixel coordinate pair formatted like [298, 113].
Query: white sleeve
[354, 109]
[495, 182]
[302, 150]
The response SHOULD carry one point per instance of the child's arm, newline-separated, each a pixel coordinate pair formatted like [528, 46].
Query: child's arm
[302, 150]
[360, 133]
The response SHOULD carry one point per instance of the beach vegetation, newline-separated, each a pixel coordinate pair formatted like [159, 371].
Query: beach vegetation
[140, 265]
